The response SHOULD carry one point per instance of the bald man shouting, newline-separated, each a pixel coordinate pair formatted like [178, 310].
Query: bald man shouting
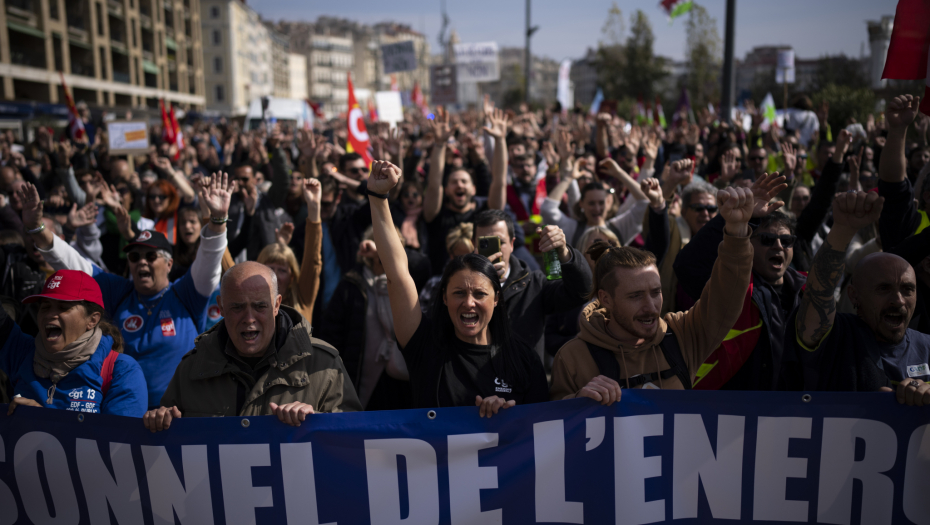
[260, 360]
[874, 349]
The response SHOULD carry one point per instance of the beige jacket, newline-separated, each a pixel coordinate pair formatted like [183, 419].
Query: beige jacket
[700, 330]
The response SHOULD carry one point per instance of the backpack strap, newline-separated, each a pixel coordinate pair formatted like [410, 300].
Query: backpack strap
[106, 371]
[607, 364]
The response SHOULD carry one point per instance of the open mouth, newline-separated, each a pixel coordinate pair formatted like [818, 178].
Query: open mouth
[470, 319]
[647, 322]
[145, 274]
[894, 320]
[459, 194]
[777, 261]
[52, 332]
[249, 335]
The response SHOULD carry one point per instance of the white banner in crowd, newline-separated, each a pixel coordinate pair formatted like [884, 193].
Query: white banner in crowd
[128, 137]
[477, 62]
[390, 107]
[784, 73]
[566, 96]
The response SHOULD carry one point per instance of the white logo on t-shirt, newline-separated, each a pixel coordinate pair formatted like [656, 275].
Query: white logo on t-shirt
[501, 386]
[918, 370]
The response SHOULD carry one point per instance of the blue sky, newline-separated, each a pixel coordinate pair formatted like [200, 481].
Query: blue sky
[568, 27]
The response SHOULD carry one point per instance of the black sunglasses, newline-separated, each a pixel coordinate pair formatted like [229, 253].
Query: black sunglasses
[768, 239]
[358, 170]
[158, 197]
[135, 257]
[709, 208]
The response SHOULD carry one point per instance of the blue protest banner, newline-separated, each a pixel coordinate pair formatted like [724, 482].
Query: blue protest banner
[701, 457]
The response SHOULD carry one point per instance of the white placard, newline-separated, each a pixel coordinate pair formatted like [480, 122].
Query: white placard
[564, 94]
[128, 137]
[399, 57]
[390, 107]
[781, 74]
[477, 62]
[786, 59]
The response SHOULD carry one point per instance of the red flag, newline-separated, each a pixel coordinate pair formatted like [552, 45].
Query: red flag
[178, 136]
[416, 96]
[167, 130]
[317, 109]
[358, 134]
[75, 123]
[909, 49]
[372, 112]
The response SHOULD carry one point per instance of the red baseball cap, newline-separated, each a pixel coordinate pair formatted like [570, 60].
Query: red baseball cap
[69, 285]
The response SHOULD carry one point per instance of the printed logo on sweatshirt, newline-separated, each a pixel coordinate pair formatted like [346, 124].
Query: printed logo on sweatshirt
[214, 313]
[501, 386]
[133, 323]
[918, 370]
[167, 328]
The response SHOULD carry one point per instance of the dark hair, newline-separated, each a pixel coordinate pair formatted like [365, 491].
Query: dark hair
[328, 184]
[491, 217]
[513, 355]
[777, 218]
[105, 325]
[592, 186]
[520, 159]
[345, 159]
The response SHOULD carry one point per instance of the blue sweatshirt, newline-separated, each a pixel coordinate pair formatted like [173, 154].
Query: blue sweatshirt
[80, 390]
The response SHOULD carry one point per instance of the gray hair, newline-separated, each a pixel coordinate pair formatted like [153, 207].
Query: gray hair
[272, 276]
[166, 254]
[696, 186]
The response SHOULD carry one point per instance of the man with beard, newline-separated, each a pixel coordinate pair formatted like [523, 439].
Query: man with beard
[624, 339]
[872, 349]
[449, 204]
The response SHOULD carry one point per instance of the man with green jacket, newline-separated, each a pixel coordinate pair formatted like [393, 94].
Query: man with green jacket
[260, 360]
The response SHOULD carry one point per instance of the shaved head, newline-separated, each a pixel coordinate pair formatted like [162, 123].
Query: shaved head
[242, 271]
[884, 292]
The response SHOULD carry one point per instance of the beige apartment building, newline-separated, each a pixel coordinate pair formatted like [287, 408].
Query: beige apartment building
[126, 53]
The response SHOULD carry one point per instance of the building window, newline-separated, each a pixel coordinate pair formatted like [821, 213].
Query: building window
[217, 64]
[103, 63]
[134, 41]
[53, 9]
[217, 37]
[99, 9]
[214, 12]
[220, 94]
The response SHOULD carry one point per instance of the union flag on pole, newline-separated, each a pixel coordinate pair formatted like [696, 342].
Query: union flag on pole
[909, 49]
[358, 134]
[75, 123]
[178, 136]
[416, 96]
[167, 130]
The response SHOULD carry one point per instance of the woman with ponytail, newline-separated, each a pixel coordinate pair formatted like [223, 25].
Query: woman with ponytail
[75, 362]
[463, 353]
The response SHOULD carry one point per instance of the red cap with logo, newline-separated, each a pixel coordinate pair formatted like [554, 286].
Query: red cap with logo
[69, 285]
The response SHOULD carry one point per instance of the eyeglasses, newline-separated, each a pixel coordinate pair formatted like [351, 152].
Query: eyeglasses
[709, 208]
[358, 170]
[157, 197]
[768, 239]
[135, 257]
[757, 159]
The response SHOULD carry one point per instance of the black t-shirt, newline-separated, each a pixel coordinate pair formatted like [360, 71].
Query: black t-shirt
[437, 230]
[457, 372]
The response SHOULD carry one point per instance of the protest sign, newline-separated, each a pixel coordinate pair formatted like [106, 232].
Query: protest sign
[477, 62]
[390, 108]
[443, 84]
[655, 456]
[128, 137]
[399, 57]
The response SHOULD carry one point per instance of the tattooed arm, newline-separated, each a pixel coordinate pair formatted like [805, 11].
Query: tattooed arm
[851, 211]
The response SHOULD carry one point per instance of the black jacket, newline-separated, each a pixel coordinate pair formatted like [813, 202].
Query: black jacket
[812, 219]
[530, 297]
[763, 369]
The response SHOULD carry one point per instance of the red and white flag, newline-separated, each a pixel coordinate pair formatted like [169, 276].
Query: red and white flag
[75, 123]
[909, 49]
[178, 136]
[358, 134]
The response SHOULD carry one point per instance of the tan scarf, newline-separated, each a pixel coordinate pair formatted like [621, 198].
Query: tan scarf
[56, 365]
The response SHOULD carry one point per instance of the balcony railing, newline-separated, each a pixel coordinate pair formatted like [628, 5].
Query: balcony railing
[121, 77]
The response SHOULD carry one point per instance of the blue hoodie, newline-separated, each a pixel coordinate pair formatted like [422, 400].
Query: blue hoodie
[81, 389]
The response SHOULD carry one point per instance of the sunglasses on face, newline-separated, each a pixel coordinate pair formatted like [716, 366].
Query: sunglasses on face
[358, 170]
[135, 257]
[158, 197]
[768, 239]
[709, 208]
[757, 159]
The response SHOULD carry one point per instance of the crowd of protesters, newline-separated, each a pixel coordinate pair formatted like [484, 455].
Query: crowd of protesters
[484, 258]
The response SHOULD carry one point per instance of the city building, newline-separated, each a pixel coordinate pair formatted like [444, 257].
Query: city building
[544, 78]
[127, 53]
[238, 56]
[297, 76]
[584, 78]
[280, 71]
[761, 63]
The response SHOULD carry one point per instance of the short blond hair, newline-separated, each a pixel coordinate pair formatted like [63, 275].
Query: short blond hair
[461, 233]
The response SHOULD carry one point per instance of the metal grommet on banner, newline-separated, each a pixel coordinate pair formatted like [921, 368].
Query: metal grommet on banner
[245, 423]
[806, 398]
[431, 414]
[80, 418]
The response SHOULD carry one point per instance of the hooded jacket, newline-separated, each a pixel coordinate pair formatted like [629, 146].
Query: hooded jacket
[699, 330]
[303, 369]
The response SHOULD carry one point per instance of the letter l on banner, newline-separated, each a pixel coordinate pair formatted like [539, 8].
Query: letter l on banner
[358, 134]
